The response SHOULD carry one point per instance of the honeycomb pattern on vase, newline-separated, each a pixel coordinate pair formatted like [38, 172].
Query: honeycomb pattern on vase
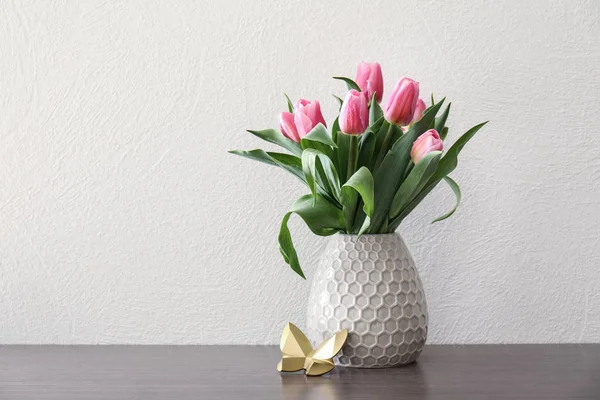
[370, 286]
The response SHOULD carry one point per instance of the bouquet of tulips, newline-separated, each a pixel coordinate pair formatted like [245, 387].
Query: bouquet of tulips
[372, 168]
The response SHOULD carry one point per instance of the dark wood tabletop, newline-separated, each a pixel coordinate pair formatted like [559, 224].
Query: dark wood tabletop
[249, 372]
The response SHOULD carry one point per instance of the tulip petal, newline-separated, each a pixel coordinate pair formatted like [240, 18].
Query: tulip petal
[354, 115]
[419, 108]
[307, 115]
[425, 143]
[288, 126]
[303, 124]
[401, 103]
[370, 80]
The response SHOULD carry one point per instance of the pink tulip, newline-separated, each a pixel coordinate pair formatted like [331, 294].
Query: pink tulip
[354, 115]
[370, 80]
[420, 107]
[307, 115]
[402, 102]
[288, 127]
[427, 142]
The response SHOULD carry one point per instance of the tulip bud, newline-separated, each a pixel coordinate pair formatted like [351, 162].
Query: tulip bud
[427, 142]
[419, 108]
[288, 127]
[401, 103]
[307, 115]
[370, 80]
[354, 115]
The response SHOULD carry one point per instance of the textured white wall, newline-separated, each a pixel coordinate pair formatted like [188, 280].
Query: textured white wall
[124, 220]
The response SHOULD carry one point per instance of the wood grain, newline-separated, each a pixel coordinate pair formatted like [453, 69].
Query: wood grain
[248, 372]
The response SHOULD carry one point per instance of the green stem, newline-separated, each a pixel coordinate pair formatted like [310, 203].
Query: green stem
[384, 147]
[352, 158]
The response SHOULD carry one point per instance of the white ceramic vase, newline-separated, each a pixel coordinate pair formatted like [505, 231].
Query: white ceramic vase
[370, 286]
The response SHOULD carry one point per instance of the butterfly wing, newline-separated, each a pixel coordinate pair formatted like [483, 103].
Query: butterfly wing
[294, 348]
[290, 364]
[319, 367]
[329, 348]
[293, 342]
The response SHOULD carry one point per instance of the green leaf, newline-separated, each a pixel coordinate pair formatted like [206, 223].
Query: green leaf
[368, 144]
[343, 150]
[288, 162]
[349, 82]
[378, 124]
[414, 183]
[317, 134]
[383, 145]
[289, 104]
[395, 222]
[390, 175]
[318, 168]
[257, 155]
[322, 218]
[375, 111]
[361, 183]
[366, 149]
[335, 128]
[276, 137]
[440, 122]
[340, 100]
[380, 138]
[444, 133]
[318, 139]
[286, 246]
[450, 160]
[309, 168]
[456, 189]
[371, 141]
[384, 227]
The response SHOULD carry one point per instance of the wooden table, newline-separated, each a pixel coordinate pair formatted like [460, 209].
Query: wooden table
[248, 372]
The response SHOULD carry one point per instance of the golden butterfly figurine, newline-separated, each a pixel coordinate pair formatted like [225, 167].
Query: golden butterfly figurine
[297, 352]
